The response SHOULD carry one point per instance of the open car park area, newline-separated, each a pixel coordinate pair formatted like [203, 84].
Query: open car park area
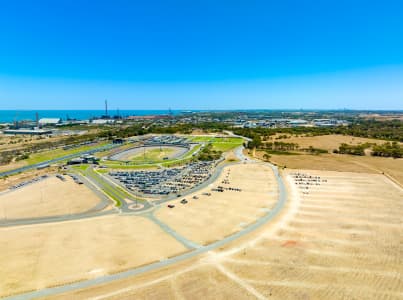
[165, 181]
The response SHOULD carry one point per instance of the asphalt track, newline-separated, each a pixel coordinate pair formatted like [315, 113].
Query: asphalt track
[123, 155]
[195, 249]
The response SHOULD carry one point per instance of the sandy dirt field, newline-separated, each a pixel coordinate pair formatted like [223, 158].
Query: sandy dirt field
[345, 163]
[6, 182]
[337, 240]
[327, 142]
[12, 166]
[48, 197]
[211, 218]
[35, 257]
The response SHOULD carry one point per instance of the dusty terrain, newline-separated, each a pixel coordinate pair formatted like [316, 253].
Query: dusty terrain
[337, 162]
[337, 240]
[35, 257]
[327, 142]
[48, 197]
[6, 182]
[344, 163]
[211, 218]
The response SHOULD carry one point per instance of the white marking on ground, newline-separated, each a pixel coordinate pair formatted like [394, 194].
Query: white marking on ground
[146, 284]
[240, 281]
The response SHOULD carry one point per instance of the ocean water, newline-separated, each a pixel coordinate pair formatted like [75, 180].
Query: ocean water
[19, 115]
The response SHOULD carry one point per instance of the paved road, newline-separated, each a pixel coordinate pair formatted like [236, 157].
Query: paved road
[59, 159]
[184, 241]
[170, 261]
[116, 191]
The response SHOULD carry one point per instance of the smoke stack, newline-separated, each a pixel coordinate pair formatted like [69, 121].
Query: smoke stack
[106, 107]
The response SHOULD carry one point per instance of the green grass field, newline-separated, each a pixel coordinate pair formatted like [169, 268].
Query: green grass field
[225, 146]
[141, 164]
[198, 139]
[152, 155]
[52, 154]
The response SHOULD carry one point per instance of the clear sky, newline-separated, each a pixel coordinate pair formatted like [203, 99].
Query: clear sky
[201, 54]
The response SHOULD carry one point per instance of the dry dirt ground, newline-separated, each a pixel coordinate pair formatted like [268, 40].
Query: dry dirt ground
[35, 257]
[337, 162]
[211, 218]
[345, 163]
[6, 182]
[48, 197]
[341, 239]
[327, 142]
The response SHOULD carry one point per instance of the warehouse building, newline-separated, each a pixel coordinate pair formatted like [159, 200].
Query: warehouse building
[49, 121]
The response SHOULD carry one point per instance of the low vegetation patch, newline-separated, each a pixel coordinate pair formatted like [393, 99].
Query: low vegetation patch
[352, 149]
[208, 153]
[388, 150]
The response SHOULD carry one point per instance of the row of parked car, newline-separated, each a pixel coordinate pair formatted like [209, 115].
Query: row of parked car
[165, 181]
[184, 201]
[76, 179]
[24, 183]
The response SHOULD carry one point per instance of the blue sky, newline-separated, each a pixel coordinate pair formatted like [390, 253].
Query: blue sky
[201, 54]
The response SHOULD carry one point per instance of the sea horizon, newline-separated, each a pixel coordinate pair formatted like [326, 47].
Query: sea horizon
[8, 116]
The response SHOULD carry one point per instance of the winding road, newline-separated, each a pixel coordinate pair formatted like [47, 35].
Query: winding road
[194, 249]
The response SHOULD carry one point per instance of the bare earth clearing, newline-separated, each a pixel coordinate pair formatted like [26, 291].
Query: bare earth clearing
[214, 217]
[35, 257]
[337, 162]
[6, 182]
[344, 163]
[48, 197]
[337, 240]
[328, 142]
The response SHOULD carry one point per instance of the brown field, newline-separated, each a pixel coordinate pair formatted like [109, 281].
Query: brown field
[327, 142]
[13, 165]
[49, 197]
[341, 241]
[382, 117]
[35, 257]
[344, 163]
[211, 218]
[6, 182]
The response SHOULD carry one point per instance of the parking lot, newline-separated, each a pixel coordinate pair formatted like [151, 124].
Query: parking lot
[165, 181]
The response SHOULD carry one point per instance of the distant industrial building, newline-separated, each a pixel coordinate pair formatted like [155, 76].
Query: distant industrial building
[85, 159]
[49, 121]
[298, 123]
[27, 131]
[148, 117]
[102, 121]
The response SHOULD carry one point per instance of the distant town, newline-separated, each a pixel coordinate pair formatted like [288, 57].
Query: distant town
[248, 119]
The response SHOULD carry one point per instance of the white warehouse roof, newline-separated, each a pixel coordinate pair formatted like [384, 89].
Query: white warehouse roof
[49, 121]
